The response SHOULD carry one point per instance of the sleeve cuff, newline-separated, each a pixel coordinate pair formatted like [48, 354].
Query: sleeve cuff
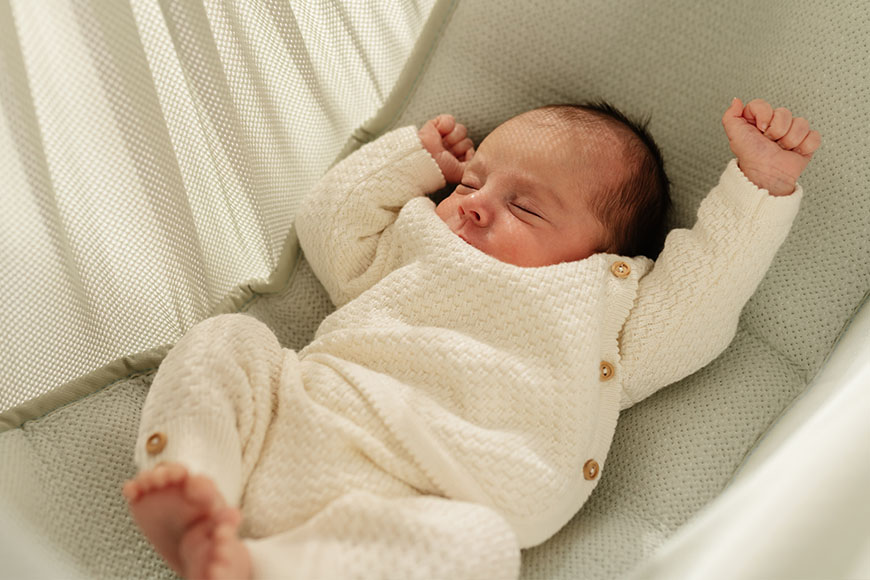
[415, 159]
[746, 198]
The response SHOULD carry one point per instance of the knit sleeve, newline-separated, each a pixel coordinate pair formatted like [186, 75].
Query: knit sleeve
[688, 306]
[344, 226]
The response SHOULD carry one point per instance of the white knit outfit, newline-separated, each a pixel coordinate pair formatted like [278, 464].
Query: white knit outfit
[454, 408]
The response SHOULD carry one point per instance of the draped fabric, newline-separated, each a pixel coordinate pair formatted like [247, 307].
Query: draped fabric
[798, 508]
[153, 154]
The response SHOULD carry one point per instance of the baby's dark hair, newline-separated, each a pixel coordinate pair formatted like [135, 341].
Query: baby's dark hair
[634, 212]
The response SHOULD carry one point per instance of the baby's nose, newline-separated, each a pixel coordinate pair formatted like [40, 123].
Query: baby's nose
[475, 213]
[471, 214]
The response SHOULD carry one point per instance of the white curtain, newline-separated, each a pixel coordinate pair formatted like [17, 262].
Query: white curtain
[153, 154]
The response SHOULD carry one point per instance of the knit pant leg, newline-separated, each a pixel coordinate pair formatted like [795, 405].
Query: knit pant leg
[371, 537]
[211, 401]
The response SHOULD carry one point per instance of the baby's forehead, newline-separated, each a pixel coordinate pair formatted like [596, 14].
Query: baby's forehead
[574, 122]
[579, 133]
[593, 150]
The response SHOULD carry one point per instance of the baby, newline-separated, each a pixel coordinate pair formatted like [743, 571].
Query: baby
[459, 404]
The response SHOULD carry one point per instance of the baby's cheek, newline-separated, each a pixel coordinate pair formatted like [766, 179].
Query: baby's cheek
[441, 210]
[518, 248]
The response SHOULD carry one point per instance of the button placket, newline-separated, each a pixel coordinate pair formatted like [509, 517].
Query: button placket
[591, 469]
[620, 269]
[155, 443]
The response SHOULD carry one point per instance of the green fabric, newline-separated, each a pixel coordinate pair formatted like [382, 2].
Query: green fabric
[69, 468]
[238, 300]
[154, 154]
[406, 84]
[75, 391]
[679, 61]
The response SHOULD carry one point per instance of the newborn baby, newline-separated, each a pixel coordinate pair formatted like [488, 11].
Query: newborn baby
[460, 402]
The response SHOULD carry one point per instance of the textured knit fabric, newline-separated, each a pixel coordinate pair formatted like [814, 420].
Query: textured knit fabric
[349, 501]
[446, 372]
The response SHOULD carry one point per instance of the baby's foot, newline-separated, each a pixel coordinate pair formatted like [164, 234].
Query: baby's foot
[186, 519]
[211, 549]
[229, 558]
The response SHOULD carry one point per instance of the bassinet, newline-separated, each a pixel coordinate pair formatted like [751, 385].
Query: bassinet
[755, 467]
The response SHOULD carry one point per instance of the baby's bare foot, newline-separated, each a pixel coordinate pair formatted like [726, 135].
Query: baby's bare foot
[181, 514]
[212, 549]
[229, 558]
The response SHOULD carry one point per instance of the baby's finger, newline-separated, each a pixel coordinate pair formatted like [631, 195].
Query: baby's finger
[780, 124]
[810, 144]
[456, 135]
[445, 124]
[734, 113]
[795, 135]
[759, 113]
[462, 148]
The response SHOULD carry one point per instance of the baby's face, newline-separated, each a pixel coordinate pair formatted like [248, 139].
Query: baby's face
[524, 196]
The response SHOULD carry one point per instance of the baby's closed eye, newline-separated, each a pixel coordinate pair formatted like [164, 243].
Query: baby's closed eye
[526, 210]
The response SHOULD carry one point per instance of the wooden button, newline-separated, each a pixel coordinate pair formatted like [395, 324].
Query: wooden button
[620, 269]
[591, 469]
[155, 443]
[607, 371]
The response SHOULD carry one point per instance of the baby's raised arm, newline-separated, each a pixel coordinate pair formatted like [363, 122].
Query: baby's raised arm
[772, 147]
[345, 224]
[688, 307]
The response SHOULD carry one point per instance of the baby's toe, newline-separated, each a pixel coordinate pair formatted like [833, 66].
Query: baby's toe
[149, 480]
[202, 491]
[230, 559]
[165, 475]
[131, 490]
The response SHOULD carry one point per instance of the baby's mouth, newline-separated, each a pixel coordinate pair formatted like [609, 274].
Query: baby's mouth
[457, 230]
[466, 239]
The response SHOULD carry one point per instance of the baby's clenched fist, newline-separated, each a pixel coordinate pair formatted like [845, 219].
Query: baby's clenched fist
[448, 143]
[772, 147]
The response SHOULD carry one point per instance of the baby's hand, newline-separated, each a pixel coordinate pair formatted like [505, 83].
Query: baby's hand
[448, 143]
[771, 146]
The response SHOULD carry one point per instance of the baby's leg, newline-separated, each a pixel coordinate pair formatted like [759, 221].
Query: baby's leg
[362, 535]
[202, 429]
